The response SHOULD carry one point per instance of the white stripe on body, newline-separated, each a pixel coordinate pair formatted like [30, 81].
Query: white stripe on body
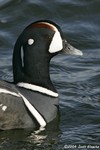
[30, 107]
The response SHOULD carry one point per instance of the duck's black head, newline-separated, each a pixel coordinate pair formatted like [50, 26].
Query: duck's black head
[34, 48]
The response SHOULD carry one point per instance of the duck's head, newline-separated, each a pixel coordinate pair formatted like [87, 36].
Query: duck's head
[34, 48]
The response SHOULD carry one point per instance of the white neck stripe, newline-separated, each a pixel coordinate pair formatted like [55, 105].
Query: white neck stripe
[38, 89]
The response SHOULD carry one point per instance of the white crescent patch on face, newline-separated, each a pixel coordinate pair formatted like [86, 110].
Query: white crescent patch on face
[56, 43]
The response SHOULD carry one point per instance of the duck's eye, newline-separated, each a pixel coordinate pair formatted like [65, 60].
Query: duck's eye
[30, 41]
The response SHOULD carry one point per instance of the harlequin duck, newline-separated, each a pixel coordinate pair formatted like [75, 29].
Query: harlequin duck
[31, 101]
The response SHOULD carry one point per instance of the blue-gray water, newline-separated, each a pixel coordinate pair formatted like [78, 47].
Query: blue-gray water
[77, 79]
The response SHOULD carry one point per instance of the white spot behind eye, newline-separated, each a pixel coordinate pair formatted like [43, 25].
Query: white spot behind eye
[30, 41]
[4, 108]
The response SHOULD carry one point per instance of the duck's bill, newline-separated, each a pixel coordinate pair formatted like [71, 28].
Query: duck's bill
[68, 49]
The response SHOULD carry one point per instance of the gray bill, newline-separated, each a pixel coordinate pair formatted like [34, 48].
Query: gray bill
[68, 49]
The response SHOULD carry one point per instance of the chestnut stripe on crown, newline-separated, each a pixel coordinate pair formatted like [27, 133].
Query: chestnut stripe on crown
[44, 25]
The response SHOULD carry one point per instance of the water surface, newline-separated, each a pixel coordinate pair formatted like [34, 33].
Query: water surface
[77, 79]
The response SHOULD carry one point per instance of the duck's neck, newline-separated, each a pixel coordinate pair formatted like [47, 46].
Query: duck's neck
[37, 73]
